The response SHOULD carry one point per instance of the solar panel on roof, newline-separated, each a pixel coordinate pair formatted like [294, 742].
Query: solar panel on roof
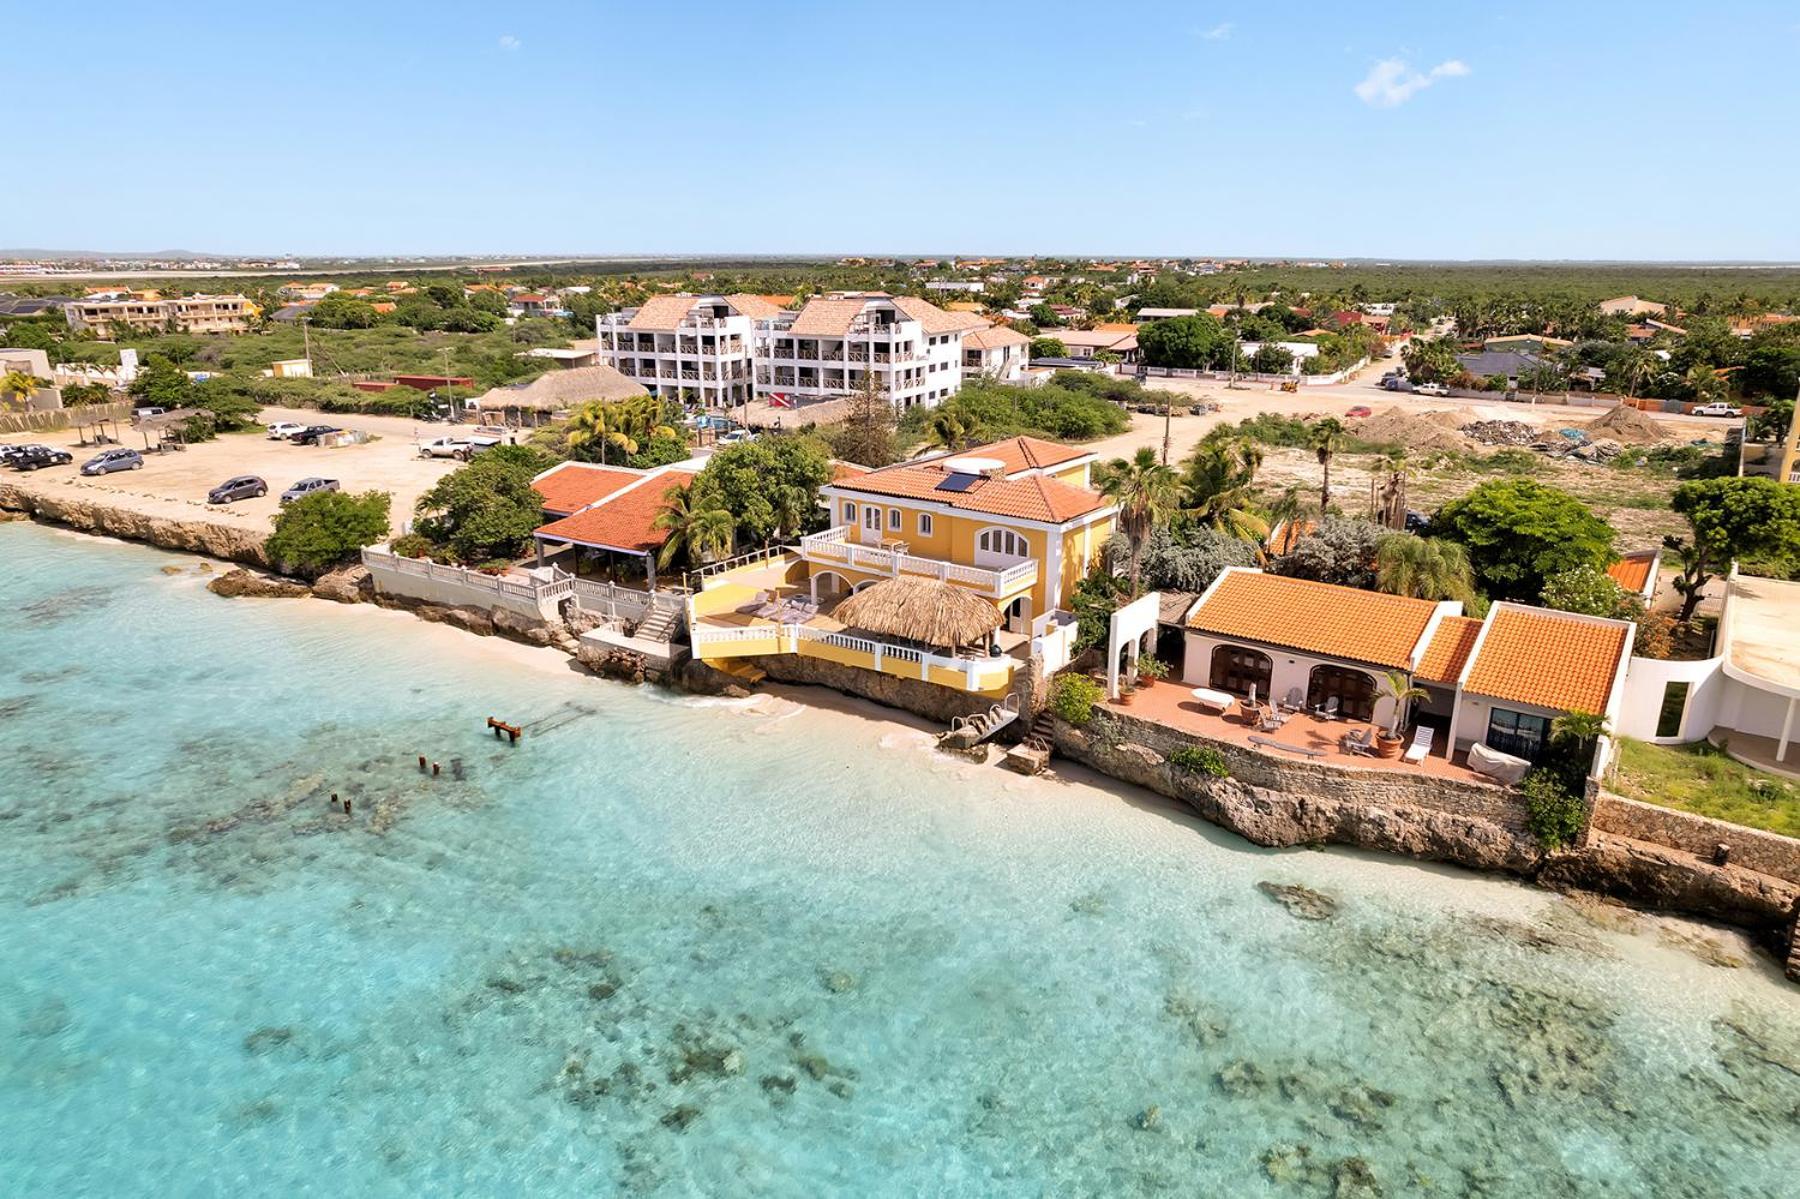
[957, 482]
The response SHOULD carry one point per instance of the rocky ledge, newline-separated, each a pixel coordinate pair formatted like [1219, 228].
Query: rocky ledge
[190, 536]
[240, 582]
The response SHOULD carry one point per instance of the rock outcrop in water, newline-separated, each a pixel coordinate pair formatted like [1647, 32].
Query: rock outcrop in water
[240, 582]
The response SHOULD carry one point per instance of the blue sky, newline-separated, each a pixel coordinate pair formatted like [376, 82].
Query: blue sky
[1433, 129]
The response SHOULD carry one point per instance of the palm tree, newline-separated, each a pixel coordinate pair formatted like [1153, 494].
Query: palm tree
[1432, 568]
[1392, 508]
[1217, 487]
[1398, 686]
[1146, 492]
[948, 430]
[599, 424]
[1324, 438]
[20, 385]
[695, 533]
[1705, 383]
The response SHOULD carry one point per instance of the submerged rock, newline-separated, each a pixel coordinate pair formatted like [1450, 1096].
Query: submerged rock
[838, 982]
[1354, 1178]
[1202, 1022]
[267, 1040]
[241, 582]
[680, 1117]
[1242, 1079]
[1303, 903]
[1148, 1120]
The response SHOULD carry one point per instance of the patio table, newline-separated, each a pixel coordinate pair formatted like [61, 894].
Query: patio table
[1206, 697]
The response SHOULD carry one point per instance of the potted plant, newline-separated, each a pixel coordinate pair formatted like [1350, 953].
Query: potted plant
[1399, 687]
[1127, 689]
[1151, 670]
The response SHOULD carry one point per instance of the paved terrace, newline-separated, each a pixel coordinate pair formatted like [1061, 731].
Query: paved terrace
[1171, 704]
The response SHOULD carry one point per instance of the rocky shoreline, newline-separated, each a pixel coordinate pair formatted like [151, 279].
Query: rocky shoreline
[1652, 876]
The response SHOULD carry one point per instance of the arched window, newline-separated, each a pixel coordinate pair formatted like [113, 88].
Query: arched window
[1353, 689]
[1237, 669]
[1002, 541]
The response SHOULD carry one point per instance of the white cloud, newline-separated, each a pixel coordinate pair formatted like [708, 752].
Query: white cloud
[1391, 82]
[1217, 33]
[509, 42]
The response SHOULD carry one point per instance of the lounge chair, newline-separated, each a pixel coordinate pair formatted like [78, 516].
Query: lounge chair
[1421, 743]
[756, 603]
[1295, 701]
[1358, 741]
[1328, 709]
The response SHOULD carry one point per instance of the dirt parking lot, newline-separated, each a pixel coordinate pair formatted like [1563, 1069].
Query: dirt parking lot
[174, 485]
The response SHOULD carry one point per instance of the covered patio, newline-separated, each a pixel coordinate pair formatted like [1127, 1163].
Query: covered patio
[1302, 737]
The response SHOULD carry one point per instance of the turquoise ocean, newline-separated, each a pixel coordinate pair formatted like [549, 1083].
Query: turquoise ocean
[673, 946]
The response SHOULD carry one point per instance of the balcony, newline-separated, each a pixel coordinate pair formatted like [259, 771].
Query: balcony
[833, 547]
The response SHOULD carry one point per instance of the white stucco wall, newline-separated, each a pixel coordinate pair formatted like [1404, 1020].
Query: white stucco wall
[1646, 681]
[1290, 671]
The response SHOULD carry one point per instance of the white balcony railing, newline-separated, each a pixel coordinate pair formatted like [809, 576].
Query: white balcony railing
[905, 661]
[833, 547]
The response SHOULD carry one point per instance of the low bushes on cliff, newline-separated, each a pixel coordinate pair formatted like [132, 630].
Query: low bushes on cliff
[1073, 696]
[1553, 813]
[1199, 759]
[326, 529]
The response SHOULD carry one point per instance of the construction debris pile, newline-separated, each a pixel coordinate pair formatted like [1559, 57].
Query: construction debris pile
[1502, 432]
[1562, 443]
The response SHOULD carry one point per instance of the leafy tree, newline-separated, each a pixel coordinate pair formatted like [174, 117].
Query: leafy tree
[79, 395]
[1184, 557]
[769, 486]
[696, 534]
[1096, 597]
[1771, 424]
[1185, 342]
[1045, 316]
[600, 430]
[1048, 347]
[664, 447]
[866, 435]
[1146, 493]
[1431, 361]
[325, 529]
[495, 303]
[1592, 592]
[19, 385]
[1423, 567]
[1704, 384]
[487, 509]
[1271, 359]
[1519, 532]
[1339, 550]
[1732, 518]
[1325, 438]
[162, 384]
[950, 427]
[339, 311]
[1216, 484]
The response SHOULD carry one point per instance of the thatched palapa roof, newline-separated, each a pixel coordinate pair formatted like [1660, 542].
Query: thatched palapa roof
[925, 610]
[563, 389]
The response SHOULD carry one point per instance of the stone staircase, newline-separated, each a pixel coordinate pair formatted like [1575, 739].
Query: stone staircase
[1793, 956]
[968, 732]
[660, 625]
[1031, 755]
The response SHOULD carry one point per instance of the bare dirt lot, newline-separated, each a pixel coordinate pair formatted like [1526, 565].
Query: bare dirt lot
[174, 485]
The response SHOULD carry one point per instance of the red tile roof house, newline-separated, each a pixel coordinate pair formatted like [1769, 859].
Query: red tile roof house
[1497, 682]
[609, 509]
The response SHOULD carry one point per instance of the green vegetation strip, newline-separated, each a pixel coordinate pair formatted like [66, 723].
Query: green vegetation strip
[1699, 778]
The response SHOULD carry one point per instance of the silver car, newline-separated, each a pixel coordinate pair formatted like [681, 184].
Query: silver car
[306, 487]
[107, 461]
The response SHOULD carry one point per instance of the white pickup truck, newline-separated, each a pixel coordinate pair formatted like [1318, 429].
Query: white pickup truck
[460, 445]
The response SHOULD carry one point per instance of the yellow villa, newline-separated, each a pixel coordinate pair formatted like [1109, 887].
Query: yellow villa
[1015, 524]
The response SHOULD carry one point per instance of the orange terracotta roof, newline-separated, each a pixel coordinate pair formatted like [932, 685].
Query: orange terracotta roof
[1026, 453]
[1632, 571]
[1548, 659]
[1034, 497]
[1285, 536]
[1319, 618]
[626, 521]
[1448, 652]
[662, 313]
[847, 470]
[572, 486]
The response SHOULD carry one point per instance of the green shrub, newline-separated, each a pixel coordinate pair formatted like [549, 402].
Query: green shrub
[321, 530]
[1150, 666]
[411, 545]
[1554, 814]
[1073, 696]
[1199, 759]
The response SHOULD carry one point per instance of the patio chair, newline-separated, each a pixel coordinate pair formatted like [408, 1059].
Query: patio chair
[1328, 709]
[1421, 743]
[1294, 700]
[1359, 741]
[1271, 720]
[755, 604]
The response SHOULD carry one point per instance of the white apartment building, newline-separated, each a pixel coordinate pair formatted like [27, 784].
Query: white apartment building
[997, 353]
[831, 345]
[699, 349]
[187, 314]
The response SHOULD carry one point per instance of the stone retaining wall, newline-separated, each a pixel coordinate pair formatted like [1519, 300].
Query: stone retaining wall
[1752, 849]
[929, 700]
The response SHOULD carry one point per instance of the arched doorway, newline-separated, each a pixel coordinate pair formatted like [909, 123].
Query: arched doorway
[1353, 689]
[1237, 669]
[829, 585]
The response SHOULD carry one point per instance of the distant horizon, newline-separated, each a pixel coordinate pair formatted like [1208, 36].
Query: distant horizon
[1532, 132]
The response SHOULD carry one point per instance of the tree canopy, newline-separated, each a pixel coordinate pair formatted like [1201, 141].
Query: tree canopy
[487, 509]
[769, 486]
[1519, 532]
[1188, 342]
[325, 529]
[1734, 518]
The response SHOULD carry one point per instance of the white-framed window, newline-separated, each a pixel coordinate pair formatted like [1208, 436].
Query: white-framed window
[872, 518]
[893, 520]
[849, 513]
[1002, 541]
[924, 524]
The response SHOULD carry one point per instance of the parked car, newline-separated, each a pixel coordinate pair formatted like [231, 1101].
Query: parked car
[281, 430]
[310, 434]
[735, 437]
[1360, 410]
[306, 487]
[10, 451]
[1717, 408]
[108, 461]
[141, 413]
[243, 487]
[459, 445]
[1431, 389]
[1396, 383]
[37, 457]
[1416, 521]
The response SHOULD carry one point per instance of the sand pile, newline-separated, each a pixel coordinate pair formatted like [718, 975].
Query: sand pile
[1627, 425]
[1398, 427]
[1452, 419]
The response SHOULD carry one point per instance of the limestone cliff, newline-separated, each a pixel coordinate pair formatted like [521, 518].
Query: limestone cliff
[191, 536]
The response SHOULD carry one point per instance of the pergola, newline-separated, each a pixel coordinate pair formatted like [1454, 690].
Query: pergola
[540, 538]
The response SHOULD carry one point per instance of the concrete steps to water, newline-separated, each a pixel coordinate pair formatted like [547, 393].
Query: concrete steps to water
[1032, 754]
[737, 668]
[660, 625]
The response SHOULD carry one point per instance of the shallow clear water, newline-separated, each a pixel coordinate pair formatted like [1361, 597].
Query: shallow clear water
[686, 947]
